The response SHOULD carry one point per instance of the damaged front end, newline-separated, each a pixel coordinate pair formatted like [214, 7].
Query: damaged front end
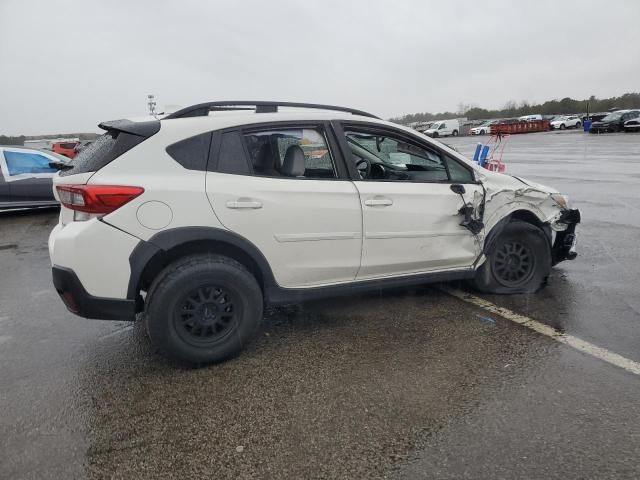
[564, 245]
[503, 201]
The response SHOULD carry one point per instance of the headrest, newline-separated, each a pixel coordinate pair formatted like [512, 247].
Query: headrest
[293, 164]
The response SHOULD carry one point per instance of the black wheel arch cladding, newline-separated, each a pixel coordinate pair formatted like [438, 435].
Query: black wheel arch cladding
[149, 257]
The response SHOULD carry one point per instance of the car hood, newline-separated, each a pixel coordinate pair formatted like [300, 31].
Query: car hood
[537, 186]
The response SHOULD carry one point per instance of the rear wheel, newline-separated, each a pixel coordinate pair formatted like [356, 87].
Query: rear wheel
[455, 133]
[518, 261]
[203, 309]
[578, 125]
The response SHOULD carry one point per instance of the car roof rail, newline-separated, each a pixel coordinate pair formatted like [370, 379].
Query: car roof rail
[203, 109]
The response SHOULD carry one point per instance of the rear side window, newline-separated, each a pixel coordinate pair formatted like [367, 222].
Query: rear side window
[231, 157]
[193, 152]
[110, 146]
[290, 152]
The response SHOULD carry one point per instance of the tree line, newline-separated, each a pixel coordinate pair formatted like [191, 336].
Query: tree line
[512, 109]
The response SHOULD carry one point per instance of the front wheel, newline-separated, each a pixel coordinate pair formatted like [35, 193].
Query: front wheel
[203, 309]
[518, 261]
[562, 127]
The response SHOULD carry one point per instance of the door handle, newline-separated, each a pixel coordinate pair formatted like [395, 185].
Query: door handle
[378, 202]
[244, 203]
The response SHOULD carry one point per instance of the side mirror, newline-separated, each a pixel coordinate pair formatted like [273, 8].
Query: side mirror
[457, 188]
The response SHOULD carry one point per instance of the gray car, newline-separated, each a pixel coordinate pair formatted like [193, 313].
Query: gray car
[26, 177]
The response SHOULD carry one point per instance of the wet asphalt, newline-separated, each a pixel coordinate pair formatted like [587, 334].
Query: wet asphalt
[396, 384]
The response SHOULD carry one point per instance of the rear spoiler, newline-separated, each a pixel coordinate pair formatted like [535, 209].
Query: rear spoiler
[140, 129]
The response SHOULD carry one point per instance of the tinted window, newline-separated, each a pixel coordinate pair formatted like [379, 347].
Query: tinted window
[25, 163]
[68, 145]
[380, 156]
[192, 152]
[269, 150]
[231, 157]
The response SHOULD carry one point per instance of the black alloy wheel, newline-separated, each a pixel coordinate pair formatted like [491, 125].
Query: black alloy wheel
[513, 264]
[206, 315]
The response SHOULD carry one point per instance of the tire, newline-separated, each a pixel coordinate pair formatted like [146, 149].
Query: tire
[203, 309]
[518, 261]
[562, 126]
[455, 133]
[483, 132]
[578, 125]
[435, 135]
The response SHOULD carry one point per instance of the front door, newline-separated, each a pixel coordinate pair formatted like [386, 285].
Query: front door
[282, 189]
[410, 213]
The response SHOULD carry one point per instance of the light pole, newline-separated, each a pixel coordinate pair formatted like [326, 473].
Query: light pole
[152, 104]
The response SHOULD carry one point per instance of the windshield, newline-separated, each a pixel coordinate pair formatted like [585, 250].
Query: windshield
[559, 119]
[612, 116]
[58, 157]
[435, 126]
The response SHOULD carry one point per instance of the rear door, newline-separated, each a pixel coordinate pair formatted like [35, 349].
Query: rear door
[284, 188]
[28, 175]
[410, 213]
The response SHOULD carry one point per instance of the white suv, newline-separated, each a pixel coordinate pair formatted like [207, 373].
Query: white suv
[566, 121]
[199, 219]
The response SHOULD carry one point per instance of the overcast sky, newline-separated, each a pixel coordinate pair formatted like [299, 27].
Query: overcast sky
[66, 65]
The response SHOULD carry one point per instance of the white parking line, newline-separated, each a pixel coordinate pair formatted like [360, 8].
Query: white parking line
[575, 342]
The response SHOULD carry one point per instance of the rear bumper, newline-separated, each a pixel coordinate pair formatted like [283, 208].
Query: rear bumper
[80, 302]
[564, 246]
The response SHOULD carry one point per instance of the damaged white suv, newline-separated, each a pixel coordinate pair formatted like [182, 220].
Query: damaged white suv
[200, 218]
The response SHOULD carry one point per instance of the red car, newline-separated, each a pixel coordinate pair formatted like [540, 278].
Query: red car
[68, 149]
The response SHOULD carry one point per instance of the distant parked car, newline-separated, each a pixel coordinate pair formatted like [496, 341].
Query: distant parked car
[68, 149]
[25, 177]
[531, 118]
[614, 122]
[483, 129]
[444, 128]
[566, 121]
[632, 125]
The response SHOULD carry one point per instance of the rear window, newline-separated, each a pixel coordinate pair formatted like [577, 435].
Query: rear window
[104, 150]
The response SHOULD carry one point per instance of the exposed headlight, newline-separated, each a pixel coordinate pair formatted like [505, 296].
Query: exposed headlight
[561, 200]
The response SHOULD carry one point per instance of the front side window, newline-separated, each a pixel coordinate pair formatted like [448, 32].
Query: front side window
[441, 127]
[379, 156]
[290, 152]
[387, 157]
[20, 163]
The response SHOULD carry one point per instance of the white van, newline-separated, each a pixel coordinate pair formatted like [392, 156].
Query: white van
[444, 128]
[530, 118]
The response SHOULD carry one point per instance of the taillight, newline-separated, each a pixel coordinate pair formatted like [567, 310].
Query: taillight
[99, 199]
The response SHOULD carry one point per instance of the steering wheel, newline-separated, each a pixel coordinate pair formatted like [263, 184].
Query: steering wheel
[364, 167]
